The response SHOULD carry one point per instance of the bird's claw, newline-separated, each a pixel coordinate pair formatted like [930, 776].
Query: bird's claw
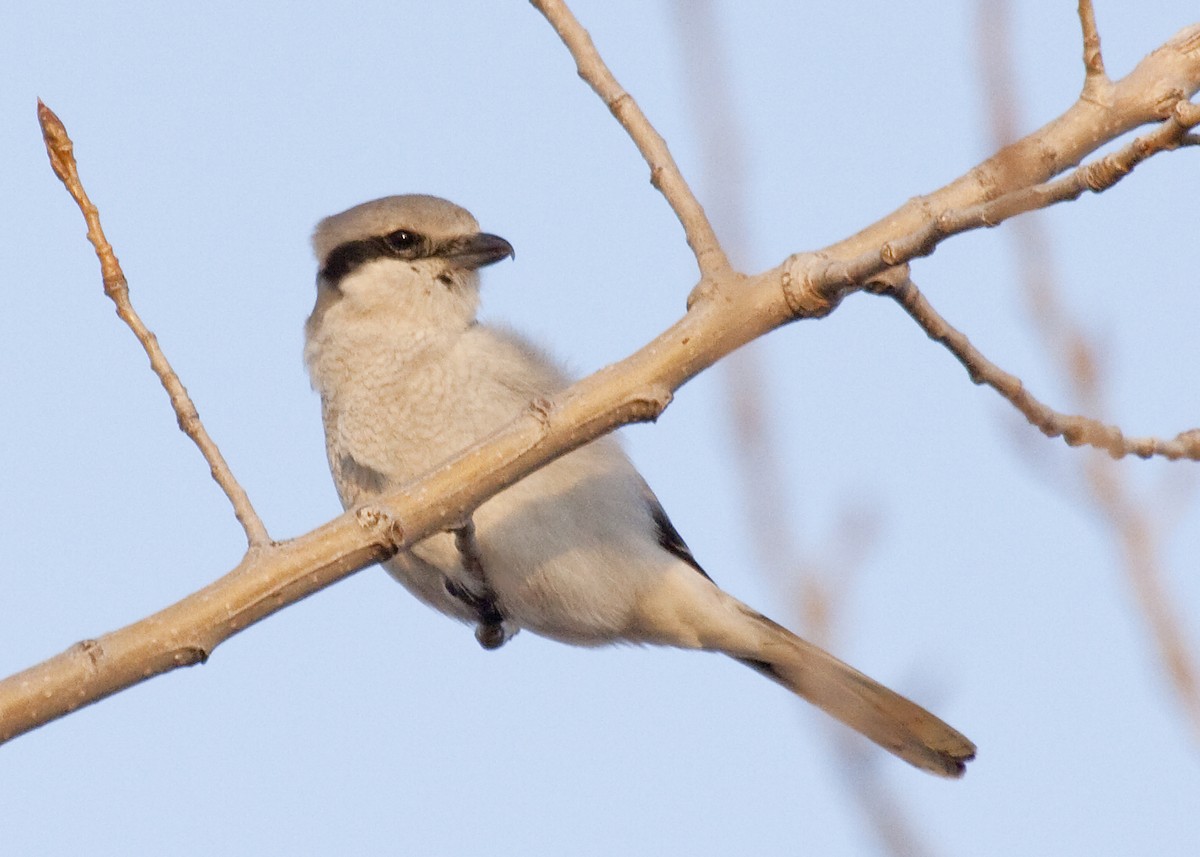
[490, 630]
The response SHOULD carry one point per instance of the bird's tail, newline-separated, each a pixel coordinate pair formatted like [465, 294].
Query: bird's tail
[887, 718]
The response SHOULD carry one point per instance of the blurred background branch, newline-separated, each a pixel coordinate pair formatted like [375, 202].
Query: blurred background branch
[1128, 521]
[814, 585]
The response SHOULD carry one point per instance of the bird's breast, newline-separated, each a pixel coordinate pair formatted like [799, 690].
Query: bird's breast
[403, 417]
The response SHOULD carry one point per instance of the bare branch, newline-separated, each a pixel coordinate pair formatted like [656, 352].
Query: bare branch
[664, 172]
[1095, 82]
[1140, 556]
[1149, 93]
[1075, 430]
[184, 634]
[62, 159]
[1097, 176]
[816, 282]
[1128, 524]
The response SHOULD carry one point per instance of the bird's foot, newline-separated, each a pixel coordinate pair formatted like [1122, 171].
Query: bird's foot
[490, 630]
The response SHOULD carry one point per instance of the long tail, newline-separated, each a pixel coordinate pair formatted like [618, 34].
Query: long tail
[887, 718]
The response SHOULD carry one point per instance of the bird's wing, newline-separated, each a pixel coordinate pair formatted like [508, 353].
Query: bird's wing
[668, 537]
[356, 481]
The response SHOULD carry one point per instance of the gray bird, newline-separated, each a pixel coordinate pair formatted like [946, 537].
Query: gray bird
[579, 551]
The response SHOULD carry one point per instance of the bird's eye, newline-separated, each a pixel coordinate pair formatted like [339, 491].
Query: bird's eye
[402, 240]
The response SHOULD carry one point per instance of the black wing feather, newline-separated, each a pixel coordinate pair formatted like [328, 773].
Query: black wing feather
[668, 536]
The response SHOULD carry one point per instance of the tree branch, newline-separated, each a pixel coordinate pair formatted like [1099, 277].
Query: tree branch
[664, 172]
[1149, 93]
[1076, 355]
[62, 160]
[1097, 176]
[268, 579]
[1095, 81]
[1075, 430]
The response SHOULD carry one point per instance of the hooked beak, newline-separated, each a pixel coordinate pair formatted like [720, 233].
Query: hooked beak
[476, 251]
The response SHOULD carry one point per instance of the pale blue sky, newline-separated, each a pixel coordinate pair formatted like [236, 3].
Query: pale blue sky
[213, 136]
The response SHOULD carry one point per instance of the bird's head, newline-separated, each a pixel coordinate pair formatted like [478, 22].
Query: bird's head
[411, 260]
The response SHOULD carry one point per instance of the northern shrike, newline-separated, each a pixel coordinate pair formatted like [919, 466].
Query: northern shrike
[579, 551]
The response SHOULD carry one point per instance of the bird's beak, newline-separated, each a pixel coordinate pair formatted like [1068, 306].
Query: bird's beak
[478, 250]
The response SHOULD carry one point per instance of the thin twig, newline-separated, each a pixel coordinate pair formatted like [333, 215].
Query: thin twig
[1131, 528]
[1095, 81]
[1075, 430]
[62, 159]
[1078, 363]
[1143, 563]
[664, 172]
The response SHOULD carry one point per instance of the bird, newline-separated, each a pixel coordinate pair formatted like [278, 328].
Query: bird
[579, 551]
